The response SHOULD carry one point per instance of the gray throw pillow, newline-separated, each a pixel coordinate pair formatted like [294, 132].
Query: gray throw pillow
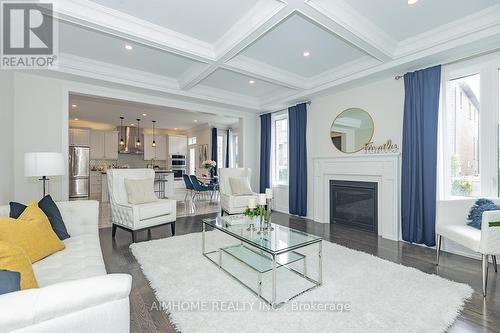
[9, 281]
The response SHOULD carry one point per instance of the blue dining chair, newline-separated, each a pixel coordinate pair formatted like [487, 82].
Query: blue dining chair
[189, 187]
[199, 187]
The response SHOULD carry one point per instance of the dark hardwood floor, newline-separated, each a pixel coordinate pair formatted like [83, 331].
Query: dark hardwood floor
[479, 315]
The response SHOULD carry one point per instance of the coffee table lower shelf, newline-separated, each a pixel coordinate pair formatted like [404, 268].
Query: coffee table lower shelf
[261, 262]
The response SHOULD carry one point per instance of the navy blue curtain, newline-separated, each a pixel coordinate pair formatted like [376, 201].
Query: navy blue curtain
[228, 142]
[214, 150]
[420, 135]
[297, 159]
[265, 152]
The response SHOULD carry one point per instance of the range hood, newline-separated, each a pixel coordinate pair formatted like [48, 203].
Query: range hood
[129, 135]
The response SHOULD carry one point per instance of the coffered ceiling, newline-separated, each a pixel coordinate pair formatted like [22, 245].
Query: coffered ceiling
[265, 54]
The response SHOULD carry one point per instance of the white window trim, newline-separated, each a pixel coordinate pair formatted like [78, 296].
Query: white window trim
[276, 116]
[488, 68]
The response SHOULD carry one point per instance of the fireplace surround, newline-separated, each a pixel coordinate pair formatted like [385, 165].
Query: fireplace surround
[383, 169]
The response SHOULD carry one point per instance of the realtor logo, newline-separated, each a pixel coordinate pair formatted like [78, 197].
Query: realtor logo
[28, 35]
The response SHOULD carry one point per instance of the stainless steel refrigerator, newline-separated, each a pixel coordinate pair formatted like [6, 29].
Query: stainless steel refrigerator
[79, 173]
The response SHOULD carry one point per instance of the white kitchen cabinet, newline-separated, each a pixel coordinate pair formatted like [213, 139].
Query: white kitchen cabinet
[79, 137]
[177, 145]
[159, 152]
[96, 145]
[111, 145]
[104, 188]
[104, 145]
[95, 185]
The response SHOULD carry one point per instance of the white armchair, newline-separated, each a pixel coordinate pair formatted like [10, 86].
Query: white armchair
[135, 218]
[233, 204]
[451, 223]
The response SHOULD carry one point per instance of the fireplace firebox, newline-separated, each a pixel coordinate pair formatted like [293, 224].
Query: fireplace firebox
[354, 204]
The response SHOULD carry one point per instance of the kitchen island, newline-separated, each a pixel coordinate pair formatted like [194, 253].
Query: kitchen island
[163, 185]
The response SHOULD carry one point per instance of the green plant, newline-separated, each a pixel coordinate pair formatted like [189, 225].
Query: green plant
[461, 186]
[256, 212]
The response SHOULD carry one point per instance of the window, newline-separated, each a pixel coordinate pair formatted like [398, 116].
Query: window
[469, 120]
[192, 140]
[463, 136]
[235, 150]
[280, 150]
[192, 161]
[220, 151]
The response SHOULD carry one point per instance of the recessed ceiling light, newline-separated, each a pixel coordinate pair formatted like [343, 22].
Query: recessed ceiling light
[412, 2]
[144, 114]
[128, 47]
[132, 124]
[74, 105]
[77, 119]
[306, 53]
[251, 81]
[196, 120]
[175, 128]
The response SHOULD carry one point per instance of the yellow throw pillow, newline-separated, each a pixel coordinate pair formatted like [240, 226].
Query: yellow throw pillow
[31, 232]
[14, 259]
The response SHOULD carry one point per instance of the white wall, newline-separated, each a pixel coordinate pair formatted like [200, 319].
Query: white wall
[383, 100]
[6, 137]
[38, 126]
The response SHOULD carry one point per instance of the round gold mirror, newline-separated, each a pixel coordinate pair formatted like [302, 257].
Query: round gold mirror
[352, 130]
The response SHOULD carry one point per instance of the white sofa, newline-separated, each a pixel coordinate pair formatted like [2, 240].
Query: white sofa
[451, 223]
[75, 294]
[135, 218]
[233, 204]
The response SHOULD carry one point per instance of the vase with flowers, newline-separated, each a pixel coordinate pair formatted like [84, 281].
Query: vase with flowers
[209, 165]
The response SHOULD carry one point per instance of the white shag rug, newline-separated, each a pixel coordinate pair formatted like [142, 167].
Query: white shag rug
[360, 292]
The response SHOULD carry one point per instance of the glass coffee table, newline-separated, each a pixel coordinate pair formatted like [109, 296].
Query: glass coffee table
[266, 252]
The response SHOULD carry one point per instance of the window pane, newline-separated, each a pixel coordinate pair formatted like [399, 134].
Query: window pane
[192, 161]
[463, 135]
[281, 151]
[220, 151]
[235, 150]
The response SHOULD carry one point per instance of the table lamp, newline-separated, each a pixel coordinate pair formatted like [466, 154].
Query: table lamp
[44, 164]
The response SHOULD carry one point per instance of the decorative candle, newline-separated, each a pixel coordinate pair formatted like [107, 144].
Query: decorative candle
[251, 203]
[262, 199]
[269, 193]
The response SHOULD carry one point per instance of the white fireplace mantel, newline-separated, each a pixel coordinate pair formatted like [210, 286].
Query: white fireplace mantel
[383, 169]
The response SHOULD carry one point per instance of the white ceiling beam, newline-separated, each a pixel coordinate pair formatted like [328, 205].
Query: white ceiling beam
[97, 17]
[70, 64]
[243, 42]
[342, 20]
[262, 71]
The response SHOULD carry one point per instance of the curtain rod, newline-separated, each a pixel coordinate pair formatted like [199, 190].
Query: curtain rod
[398, 77]
[285, 108]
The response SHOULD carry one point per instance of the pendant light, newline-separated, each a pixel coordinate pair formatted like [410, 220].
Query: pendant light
[138, 142]
[121, 132]
[154, 142]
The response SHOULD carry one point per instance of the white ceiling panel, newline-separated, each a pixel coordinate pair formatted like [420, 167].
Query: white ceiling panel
[109, 111]
[400, 20]
[240, 84]
[203, 20]
[284, 46]
[98, 46]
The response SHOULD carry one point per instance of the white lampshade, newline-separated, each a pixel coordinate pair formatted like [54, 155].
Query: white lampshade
[44, 164]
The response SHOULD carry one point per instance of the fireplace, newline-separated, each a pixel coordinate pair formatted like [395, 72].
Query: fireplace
[354, 204]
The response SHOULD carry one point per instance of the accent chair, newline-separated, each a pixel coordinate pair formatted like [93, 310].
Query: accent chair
[451, 223]
[137, 217]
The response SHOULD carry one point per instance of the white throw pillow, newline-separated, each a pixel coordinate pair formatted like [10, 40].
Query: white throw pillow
[140, 191]
[240, 186]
